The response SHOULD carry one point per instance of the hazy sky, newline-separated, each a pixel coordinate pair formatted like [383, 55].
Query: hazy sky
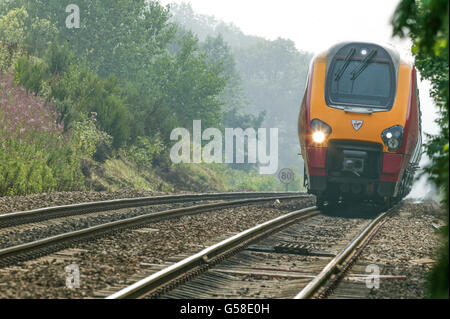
[312, 25]
[315, 25]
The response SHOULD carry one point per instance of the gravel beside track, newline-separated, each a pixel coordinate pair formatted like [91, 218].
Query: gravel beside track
[20, 234]
[119, 259]
[33, 201]
[404, 248]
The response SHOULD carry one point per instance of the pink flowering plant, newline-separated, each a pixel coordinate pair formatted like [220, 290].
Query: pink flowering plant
[35, 154]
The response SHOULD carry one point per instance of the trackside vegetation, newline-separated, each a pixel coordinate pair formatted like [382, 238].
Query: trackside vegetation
[92, 108]
[426, 23]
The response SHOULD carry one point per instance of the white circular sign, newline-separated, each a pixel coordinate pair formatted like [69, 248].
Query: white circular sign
[286, 175]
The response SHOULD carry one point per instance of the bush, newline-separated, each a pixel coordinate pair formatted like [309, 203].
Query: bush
[8, 56]
[31, 74]
[426, 23]
[146, 150]
[88, 138]
[77, 91]
[19, 31]
[234, 179]
[80, 91]
[12, 27]
[35, 156]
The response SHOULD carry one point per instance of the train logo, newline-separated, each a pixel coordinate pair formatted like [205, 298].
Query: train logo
[357, 124]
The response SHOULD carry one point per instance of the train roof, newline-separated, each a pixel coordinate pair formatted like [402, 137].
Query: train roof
[390, 50]
[395, 56]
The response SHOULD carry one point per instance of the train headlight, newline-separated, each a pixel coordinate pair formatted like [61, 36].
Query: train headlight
[318, 137]
[320, 131]
[393, 138]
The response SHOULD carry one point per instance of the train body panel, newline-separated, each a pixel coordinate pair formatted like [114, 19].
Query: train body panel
[366, 143]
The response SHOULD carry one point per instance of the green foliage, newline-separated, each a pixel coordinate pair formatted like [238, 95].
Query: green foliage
[204, 83]
[141, 27]
[8, 57]
[157, 90]
[38, 74]
[426, 23]
[438, 277]
[85, 92]
[11, 38]
[126, 174]
[88, 137]
[139, 73]
[274, 76]
[145, 150]
[263, 76]
[233, 118]
[34, 155]
[194, 177]
[177, 89]
[188, 85]
[13, 27]
[31, 74]
[220, 177]
[58, 58]
[220, 53]
[19, 30]
[205, 25]
[233, 179]
[148, 112]
[162, 90]
[42, 33]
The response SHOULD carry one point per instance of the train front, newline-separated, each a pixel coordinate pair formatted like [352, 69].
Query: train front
[359, 124]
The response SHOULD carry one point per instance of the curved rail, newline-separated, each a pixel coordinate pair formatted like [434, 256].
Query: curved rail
[19, 252]
[40, 214]
[209, 256]
[329, 269]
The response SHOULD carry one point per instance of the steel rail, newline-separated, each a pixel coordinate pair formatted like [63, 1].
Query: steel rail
[40, 214]
[7, 255]
[209, 256]
[329, 269]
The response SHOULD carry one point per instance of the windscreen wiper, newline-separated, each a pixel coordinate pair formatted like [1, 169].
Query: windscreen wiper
[350, 54]
[355, 73]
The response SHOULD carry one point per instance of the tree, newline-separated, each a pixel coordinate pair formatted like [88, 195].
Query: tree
[19, 32]
[272, 76]
[117, 37]
[124, 43]
[219, 53]
[426, 23]
[177, 88]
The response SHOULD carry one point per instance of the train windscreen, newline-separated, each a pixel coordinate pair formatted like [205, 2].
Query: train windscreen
[361, 77]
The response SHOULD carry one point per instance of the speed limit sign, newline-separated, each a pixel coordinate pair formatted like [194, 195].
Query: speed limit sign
[286, 176]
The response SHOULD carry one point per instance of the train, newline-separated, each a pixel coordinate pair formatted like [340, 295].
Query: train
[359, 125]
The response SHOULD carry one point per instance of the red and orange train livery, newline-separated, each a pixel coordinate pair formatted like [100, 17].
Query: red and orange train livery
[360, 124]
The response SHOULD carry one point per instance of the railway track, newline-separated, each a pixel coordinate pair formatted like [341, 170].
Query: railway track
[336, 269]
[47, 213]
[45, 246]
[269, 260]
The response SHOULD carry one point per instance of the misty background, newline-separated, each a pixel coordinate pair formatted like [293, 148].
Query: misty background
[271, 46]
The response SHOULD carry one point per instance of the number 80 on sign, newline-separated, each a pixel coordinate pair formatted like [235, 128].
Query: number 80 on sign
[286, 175]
